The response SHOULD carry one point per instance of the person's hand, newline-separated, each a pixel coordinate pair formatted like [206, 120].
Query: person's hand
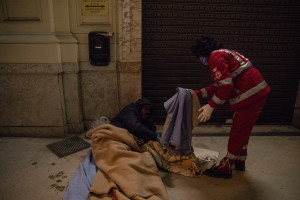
[205, 113]
[157, 136]
[140, 142]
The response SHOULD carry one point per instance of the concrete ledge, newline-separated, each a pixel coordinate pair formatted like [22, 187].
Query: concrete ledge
[28, 39]
[87, 67]
[45, 132]
[258, 130]
[32, 68]
[75, 128]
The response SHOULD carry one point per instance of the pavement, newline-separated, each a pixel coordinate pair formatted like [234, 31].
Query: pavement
[30, 171]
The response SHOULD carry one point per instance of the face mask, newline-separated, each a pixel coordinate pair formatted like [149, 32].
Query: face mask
[203, 60]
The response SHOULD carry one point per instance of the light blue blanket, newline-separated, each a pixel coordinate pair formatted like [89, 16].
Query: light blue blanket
[80, 184]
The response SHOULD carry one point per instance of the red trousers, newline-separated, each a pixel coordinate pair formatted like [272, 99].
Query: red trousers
[244, 120]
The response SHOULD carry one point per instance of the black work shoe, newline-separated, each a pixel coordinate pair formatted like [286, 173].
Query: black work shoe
[214, 172]
[240, 166]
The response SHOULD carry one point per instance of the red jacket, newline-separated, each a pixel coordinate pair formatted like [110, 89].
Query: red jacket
[235, 79]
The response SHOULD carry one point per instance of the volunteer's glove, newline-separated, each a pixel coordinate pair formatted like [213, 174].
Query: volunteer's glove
[205, 113]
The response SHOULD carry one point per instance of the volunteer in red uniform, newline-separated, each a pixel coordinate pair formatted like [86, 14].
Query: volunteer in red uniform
[237, 81]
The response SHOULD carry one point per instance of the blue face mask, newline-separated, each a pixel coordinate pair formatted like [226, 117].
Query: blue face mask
[203, 60]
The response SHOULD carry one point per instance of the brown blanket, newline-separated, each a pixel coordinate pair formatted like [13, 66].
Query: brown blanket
[125, 172]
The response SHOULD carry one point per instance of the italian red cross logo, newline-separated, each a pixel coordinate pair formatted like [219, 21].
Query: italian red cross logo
[217, 75]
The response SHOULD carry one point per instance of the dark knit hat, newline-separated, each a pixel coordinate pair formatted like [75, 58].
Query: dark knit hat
[143, 101]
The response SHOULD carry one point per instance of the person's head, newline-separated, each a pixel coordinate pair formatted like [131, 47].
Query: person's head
[145, 111]
[144, 106]
[205, 45]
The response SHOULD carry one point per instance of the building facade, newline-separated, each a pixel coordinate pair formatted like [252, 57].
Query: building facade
[48, 87]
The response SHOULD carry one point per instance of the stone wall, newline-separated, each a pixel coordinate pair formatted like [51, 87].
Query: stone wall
[39, 86]
[48, 88]
[38, 61]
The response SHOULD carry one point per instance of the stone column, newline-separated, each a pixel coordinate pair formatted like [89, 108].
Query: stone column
[130, 52]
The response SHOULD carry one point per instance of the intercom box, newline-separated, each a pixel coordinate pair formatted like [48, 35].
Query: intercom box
[99, 48]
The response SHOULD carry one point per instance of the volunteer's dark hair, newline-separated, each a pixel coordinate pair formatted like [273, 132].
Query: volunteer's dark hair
[205, 45]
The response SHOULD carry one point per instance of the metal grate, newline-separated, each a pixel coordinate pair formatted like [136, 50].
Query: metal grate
[68, 146]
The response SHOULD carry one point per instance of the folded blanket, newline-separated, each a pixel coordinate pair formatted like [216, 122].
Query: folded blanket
[125, 172]
[182, 117]
[170, 160]
[192, 165]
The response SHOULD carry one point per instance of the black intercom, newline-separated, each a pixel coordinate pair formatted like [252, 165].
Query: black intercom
[99, 48]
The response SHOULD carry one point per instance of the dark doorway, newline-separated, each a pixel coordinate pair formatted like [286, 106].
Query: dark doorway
[266, 32]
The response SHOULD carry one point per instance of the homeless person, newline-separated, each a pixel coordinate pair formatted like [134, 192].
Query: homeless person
[136, 118]
[124, 167]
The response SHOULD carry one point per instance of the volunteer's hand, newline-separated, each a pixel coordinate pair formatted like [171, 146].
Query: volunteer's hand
[205, 112]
